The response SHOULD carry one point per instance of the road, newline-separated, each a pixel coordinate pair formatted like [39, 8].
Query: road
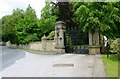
[10, 56]
[17, 63]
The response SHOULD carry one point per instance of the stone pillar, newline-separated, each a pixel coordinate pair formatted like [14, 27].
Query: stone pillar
[56, 37]
[44, 43]
[97, 38]
[59, 36]
[94, 45]
[90, 37]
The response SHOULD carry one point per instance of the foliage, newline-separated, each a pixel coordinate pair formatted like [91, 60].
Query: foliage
[114, 45]
[20, 27]
[51, 35]
[92, 15]
[47, 21]
[23, 27]
[9, 23]
[65, 11]
[27, 29]
[47, 25]
[68, 40]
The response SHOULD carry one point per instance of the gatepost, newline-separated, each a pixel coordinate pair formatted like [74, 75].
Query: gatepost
[60, 37]
[94, 41]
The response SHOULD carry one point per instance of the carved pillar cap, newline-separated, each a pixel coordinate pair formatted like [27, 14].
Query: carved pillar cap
[56, 28]
[60, 24]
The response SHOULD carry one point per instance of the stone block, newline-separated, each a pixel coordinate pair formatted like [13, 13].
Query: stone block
[94, 49]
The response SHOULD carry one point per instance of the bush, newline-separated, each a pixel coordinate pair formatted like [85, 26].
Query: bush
[51, 35]
[115, 45]
[31, 38]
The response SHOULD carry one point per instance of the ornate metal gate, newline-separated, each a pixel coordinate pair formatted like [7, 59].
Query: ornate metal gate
[76, 41]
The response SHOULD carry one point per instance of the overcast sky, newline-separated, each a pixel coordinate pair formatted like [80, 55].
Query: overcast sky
[7, 6]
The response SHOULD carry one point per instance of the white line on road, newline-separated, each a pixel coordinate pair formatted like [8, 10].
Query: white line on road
[3, 53]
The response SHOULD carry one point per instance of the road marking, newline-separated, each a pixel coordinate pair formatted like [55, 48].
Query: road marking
[19, 60]
[3, 53]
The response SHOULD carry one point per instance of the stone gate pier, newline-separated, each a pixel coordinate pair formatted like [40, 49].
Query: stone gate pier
[94, 41]
[60, 36]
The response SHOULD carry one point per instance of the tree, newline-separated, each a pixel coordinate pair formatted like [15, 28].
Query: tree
[47, 21]
[9, 23]
[92, 15]
[64, 12]
[21, 27]
[4, 28]
[116, 32]
[27, 28]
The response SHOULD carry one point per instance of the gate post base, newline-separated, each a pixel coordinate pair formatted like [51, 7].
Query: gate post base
[94, 50]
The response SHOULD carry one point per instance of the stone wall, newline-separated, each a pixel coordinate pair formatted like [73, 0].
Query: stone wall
[45, 46]
[35, 45]
[8, 44]
[49, 46]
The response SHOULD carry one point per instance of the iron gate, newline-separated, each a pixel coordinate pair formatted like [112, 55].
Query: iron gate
[76, 40]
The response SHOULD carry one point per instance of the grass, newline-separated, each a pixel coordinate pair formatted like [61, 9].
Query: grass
[111, 65]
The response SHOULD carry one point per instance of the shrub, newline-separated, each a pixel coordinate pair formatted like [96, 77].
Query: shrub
[51, 35]
[115, 45]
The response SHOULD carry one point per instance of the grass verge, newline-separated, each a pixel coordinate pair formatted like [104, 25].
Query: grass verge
[111, 65]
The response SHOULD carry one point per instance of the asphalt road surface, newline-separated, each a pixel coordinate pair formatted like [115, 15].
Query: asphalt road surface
[17, 63]
[10, 56]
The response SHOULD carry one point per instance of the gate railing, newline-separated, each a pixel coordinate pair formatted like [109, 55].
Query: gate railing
[82, 49]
